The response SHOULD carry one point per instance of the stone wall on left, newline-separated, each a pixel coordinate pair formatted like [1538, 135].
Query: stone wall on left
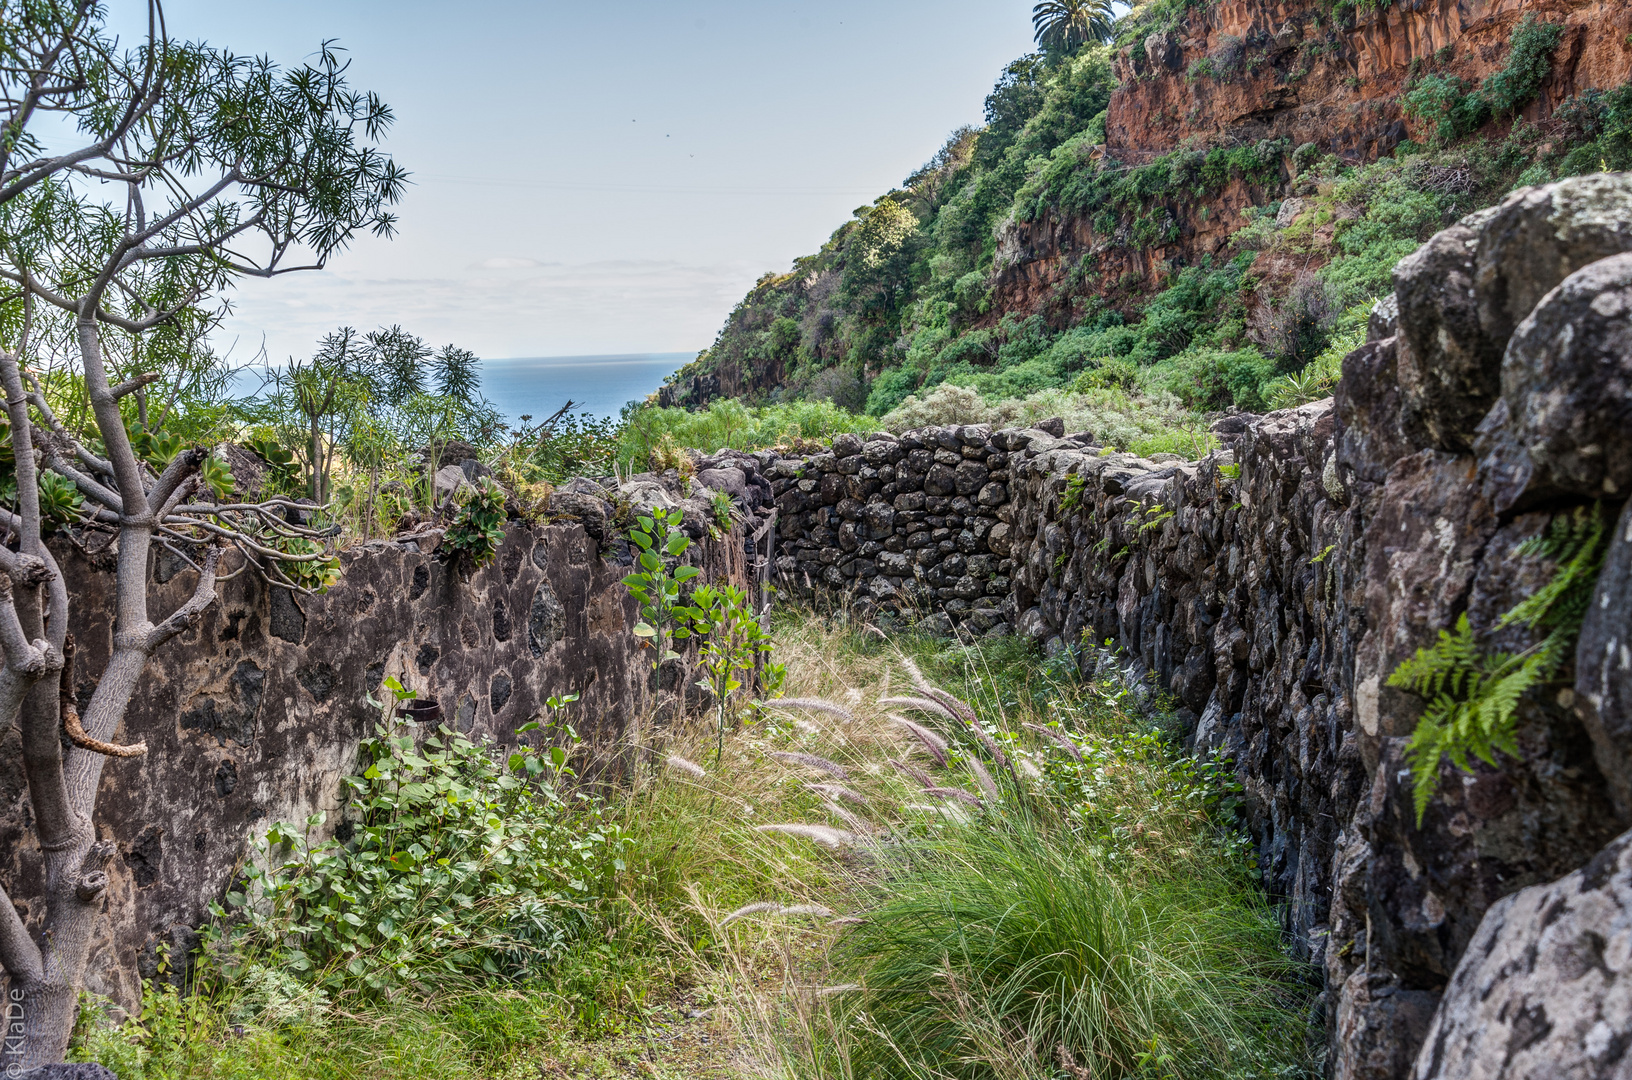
[255, 715]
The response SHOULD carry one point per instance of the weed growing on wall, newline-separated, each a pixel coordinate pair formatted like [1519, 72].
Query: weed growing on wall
[478, 528]
[656, 584]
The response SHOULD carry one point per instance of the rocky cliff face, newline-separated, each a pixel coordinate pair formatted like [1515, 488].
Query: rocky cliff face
[1305, 74]
[1273, 589]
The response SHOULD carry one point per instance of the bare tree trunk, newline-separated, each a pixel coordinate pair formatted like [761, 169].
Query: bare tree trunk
[316, 487]
[47, 968]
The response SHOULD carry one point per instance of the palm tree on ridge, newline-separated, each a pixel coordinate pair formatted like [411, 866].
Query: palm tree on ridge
[1067, 25]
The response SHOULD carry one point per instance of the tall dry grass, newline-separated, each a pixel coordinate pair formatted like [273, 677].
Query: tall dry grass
[1039, 888]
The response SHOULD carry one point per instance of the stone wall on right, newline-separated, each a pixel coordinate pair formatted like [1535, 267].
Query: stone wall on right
[1275, 586]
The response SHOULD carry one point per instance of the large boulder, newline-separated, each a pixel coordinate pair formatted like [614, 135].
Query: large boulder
[451, 482]
[729, 479]
[1422, 551]
[1462, 295]
[1538, 236]
[647, 495]
[1371, 435]
[1544, 990]
[1564, 423]
[586, 501]
[1603, 668]
[1449, 368]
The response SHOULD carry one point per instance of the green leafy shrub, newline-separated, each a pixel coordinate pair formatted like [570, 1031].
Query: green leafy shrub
[731, 423]
[60, 500]
[1213, 378]
[159, 448]
[1529, 61]
[1598, 131]
[311, 567]
[733, 645]
[1445, 103]
[1109, 373]
[455, 867]
[1455, 109]
[657, 581]
[1318, 379]
[282, 468]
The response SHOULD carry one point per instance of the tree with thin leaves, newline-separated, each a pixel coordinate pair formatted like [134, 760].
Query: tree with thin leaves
[136, 185]
[396, 364]
[457, 373]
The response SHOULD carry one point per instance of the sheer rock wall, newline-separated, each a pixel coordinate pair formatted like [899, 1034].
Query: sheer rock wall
[1240, 72]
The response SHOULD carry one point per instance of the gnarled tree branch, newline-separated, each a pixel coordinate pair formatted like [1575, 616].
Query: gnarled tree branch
[70, 714]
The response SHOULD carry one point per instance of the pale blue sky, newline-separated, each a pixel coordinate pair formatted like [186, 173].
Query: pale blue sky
[611, 178]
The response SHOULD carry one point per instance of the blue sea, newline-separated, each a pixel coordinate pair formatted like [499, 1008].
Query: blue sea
[536, 386]
[600, 385]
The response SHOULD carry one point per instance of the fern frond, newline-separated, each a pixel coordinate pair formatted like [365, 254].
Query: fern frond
[1422, 753]
[1576, 542]
[1472, 700]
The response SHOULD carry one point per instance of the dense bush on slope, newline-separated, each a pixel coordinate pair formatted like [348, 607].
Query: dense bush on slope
[900, 299]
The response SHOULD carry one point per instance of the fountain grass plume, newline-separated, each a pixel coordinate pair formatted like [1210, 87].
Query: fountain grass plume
[966, 797]
[811, 761]
[839, 791]
[821, 835]
[954, 708]
[961, 709]
[749, 909]
[690, 768]
[931, 741]
[854, 822]
[913, 772]
[1059, 738]
[923, 705]
[775, 910]
[815, 705]
[982, 777]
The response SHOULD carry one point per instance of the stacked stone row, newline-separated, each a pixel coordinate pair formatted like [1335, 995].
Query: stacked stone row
[915, 524]
[1204, 574]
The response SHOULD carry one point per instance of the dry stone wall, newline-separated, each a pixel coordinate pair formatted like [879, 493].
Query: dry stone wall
[254, 716]
[1274, 586]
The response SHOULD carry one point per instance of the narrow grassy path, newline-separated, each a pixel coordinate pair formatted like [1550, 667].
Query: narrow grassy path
[825, 901]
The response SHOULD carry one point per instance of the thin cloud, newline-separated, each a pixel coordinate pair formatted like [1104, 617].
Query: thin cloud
[545, 309]
[507, 262]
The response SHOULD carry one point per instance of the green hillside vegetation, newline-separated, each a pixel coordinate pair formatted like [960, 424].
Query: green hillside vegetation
[899, 301]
